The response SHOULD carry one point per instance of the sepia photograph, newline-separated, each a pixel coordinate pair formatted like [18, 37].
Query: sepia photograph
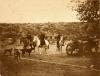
[49, 38]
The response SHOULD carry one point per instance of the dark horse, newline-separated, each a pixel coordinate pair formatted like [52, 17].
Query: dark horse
[28, 50]
[27, 45]
[8, 50]
[90, 45]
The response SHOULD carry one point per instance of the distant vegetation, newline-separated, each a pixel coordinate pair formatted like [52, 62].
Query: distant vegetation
[69, 30]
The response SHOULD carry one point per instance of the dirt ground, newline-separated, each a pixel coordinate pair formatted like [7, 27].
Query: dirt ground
[53, 63]
[29, 66]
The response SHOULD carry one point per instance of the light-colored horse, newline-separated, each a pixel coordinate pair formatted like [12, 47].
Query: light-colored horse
[38, 42]
[61, 43]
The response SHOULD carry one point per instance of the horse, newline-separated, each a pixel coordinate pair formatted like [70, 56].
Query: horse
[25, 41]
[61, 43]
[89, 46]
[37, 43]
[8, 50]
[85, 47]
[28, 45]
[27, 49]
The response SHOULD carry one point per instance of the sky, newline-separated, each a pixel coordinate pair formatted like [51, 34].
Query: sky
[34, 11]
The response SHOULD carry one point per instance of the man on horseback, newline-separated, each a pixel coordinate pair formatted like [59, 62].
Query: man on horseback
[42, 39]
[92, 43]
[58, 39]
[29, 38]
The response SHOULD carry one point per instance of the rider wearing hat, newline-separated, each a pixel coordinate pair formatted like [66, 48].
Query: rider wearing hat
[42, 39]
[58, 39]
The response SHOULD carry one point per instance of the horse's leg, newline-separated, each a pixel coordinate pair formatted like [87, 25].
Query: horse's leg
[90, 51]
[34, 50]
[10, 52]
[38, 49]
[29, 53]
[66, 49]
[72, 51]
[45, 50]
[23, 53]
[19, 55]
[48, 46]
[4, 52]
[58, 48]
[85, 50]
[17, 58]
[96, 49]
[61, 49]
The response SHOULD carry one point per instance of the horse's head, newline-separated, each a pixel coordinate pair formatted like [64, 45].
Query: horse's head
[36, 38]
[61, 38]
[46, 42]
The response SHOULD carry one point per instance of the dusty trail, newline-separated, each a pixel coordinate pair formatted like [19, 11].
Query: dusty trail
[62, 64]
[52, 64]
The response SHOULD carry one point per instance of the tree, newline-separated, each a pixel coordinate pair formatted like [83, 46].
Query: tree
[89, 11]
